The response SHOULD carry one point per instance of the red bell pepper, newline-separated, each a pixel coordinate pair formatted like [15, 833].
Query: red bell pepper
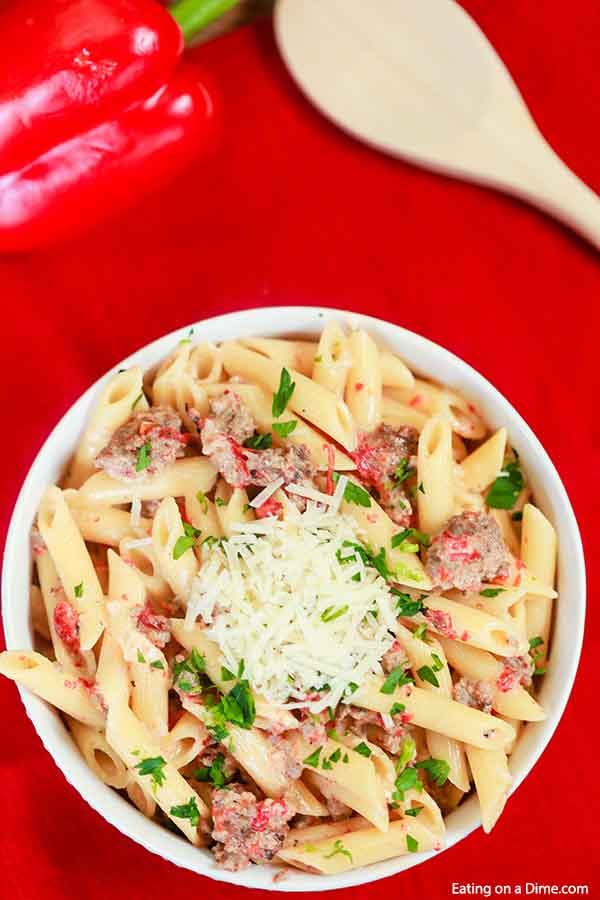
[94, 175]
[92, 114]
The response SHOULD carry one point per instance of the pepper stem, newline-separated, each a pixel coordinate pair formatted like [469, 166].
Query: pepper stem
[194, 15]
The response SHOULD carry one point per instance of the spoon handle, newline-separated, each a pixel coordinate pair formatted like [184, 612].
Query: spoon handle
[554, 188]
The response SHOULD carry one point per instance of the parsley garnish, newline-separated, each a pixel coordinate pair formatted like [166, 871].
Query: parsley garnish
[407, 780]
[437, 664]
[78, 590]
[426, 673]
[537, 655]
[318, 358]
[396, 678]
[362, 749]
[284, 428]
[202, 500]
[238, 705]
[397, 708]
[420, 632]
[403, 471]
[437, 768]
[403, 537]
[259, 441]
[219, 732]
[213, 773]
[421, 487]
[313, 759]
[143, 457]
[413, 811]
[153, 766]
[332, 613]
[241, 667]
[338, 847]
[283, 395]
[226, 674]
[187, 810]
[352, 687]
[491, 592]
[186, 541]
[535, 642]
[219, 501]
[194, 665]
[354, 493]
[406, 754]
[405, 605]
[506, 488]
[157, 664]
[411, 844]
[335, 756]
[140, 657]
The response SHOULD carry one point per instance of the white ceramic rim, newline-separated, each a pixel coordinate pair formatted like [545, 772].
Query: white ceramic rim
[423, 356]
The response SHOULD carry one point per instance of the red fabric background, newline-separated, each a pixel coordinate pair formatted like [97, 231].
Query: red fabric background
[292, 211]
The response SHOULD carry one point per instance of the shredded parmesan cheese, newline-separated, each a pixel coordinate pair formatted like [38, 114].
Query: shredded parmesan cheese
[282, 597]
[266, 492]
[136, 512]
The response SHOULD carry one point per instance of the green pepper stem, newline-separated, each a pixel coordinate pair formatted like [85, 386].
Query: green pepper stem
[194, 15]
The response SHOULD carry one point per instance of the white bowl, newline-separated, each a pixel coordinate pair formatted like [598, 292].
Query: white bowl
[424, 357]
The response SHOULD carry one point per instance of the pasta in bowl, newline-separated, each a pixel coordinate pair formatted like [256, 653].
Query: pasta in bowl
[294, 600]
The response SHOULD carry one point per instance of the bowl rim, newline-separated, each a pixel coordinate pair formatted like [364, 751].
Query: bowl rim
[53, 733]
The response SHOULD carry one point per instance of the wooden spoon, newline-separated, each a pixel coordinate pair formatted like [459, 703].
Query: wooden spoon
[419, 79]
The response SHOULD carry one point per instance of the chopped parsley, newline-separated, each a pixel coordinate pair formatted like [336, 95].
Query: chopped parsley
[203, 501]
[137, 400]
[420, 632]
[411, 844]
[194, 666]
[313, 758]
[405, 605]
[438, 769]
[238, 705]
[140, 657]
[352, 687]
[354, 493]
[407, 752]
[219, 501]
[226, 674]
[187, 810]
[188, 338]
[318, 359]
[186, 541]
[362, 749]
[397, 708]
[157, 664]
[421, 487]
[214, 773]
[491, 592]
[283, 429]
[332, 613]
[437, 664]
[426, 673]
[535, 642]
[336, 755]
[259, 441]
[143, 457]
[345, 758]
[506, 488]
[403, 471]
[402, 540]
[407, 780]
[283, 395]
[413, 811]
[241, 667]
[396, 678]
[338, 847]
[537, 655]
[78, 590]
[153, 766]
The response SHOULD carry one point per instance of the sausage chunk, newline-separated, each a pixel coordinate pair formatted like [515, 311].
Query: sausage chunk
[478, 694]
[377, 457]
[159, 429]
[246, 830]
[467, 552]
[515, 671]
[223, 435]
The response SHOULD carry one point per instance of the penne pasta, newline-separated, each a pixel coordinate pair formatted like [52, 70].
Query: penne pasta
[175, 480]
[364, 383]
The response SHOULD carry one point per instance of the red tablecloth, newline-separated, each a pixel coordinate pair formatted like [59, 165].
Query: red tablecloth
[292, 211]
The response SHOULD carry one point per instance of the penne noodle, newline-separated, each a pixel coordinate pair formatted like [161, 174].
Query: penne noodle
[175, 480]
[364, 385]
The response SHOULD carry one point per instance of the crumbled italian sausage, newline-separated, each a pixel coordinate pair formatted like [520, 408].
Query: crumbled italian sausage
[516, 670]
[246, 830]
[468, 551]
[478, 694]
[158, 430]
[155, 627]
[378, 456]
